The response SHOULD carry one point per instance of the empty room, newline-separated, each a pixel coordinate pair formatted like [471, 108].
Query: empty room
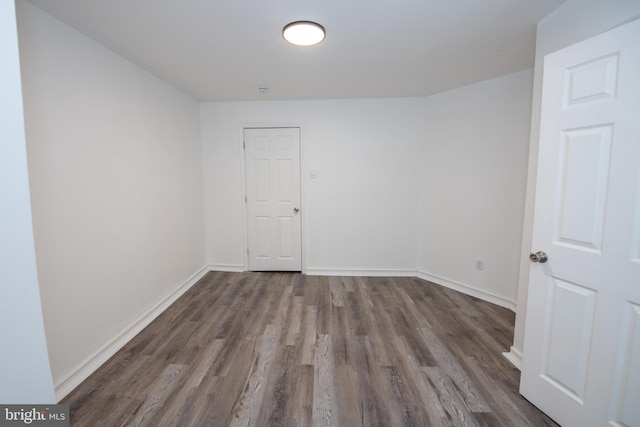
[428, 215]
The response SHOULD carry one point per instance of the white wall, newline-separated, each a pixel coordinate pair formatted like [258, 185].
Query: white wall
[574, 21]
[403, 185]
[474, 162]
[24, 363]
[361, 212]
[116, 184]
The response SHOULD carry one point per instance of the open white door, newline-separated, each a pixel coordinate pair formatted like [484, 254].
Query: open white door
[581, 361]
[272, 166]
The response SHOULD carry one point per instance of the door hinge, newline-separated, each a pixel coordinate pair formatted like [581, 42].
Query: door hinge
[244, 145]
[245, 199]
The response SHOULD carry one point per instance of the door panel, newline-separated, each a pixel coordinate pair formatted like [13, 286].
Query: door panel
[581, 361]
[261, 181]
[286, 237]
[594, 80]
[262, 237]
[583, 172]
[272, 165]
[285, 179]
[568, 337]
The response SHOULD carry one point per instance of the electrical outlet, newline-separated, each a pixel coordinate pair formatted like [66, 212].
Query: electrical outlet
[480, 264]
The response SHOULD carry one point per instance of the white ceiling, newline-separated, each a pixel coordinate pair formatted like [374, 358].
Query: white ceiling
[224, 50]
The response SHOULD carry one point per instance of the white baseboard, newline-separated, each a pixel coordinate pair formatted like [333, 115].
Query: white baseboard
[227, 267]
[358, 272]
[76, 376]
[514, 356]
[469, 290]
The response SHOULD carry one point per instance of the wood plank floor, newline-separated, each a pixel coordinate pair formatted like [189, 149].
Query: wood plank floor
[285, 349]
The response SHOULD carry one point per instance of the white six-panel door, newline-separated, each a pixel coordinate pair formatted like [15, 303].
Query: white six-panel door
[582, 337]
[272, 167]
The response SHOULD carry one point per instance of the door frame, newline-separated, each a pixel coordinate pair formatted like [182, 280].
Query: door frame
[243, 191]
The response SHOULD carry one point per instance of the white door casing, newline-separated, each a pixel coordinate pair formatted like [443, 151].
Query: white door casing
[581, 361]
[272, 168]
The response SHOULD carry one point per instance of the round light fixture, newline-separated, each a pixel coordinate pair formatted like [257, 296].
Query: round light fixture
[303, 33]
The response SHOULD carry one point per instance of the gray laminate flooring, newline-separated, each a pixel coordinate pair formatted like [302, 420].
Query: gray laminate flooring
[285, 349]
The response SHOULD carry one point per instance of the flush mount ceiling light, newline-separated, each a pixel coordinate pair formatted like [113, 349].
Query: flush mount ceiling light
[303, 33]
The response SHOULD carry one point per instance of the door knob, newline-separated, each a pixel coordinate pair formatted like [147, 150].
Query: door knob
[296, 210]
[539, 256]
